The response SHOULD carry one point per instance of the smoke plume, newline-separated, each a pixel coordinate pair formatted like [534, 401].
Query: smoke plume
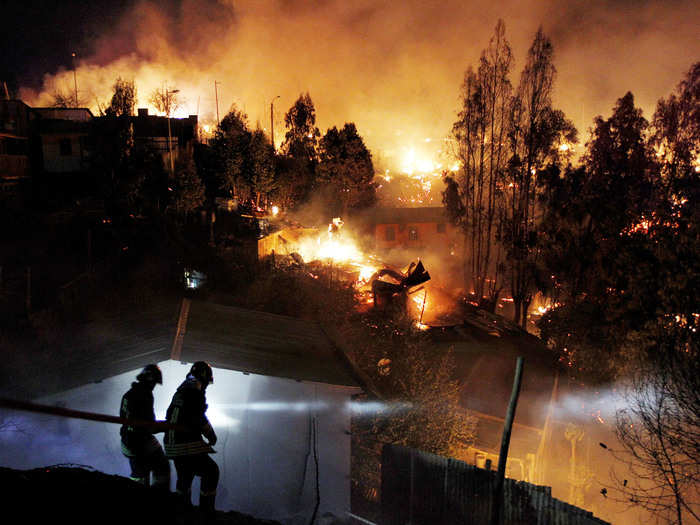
[394, 68]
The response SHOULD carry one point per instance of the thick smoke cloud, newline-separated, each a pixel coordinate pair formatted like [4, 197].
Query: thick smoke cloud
[394, 68]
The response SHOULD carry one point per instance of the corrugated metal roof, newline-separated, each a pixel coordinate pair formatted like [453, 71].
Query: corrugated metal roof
[226, 337]
[95, 351]
[262, 343]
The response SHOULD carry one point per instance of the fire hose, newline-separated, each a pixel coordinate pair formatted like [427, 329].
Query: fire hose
[155, 426]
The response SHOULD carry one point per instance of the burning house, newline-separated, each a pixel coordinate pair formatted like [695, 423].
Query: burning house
[413, 229]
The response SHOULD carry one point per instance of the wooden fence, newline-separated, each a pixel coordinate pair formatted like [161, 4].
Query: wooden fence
[420, 488]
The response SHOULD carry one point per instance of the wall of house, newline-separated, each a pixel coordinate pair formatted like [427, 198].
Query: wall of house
[412, 235]
[265, 448]
[416, 236]
[63, 153]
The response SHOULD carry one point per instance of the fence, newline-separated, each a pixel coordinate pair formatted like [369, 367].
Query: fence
[420, 488]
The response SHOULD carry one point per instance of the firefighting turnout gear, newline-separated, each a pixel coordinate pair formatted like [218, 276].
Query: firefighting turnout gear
[143, 464]
[188, 408]
[137, 442]
[202, 371]
[150, 374]
[201, 465]
[185, 445]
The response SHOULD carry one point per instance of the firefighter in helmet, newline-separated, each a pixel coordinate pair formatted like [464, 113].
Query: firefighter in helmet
[185, 446]
[137, 442]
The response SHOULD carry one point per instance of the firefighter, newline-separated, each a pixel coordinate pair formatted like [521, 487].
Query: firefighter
[186, 447]
[137, 442]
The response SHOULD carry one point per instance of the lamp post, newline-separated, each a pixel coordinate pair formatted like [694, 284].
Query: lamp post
[75, 80]
[272, 122]
[216, 93]
[167, 114]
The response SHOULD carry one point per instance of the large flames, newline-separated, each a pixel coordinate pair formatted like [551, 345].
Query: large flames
[338, 253]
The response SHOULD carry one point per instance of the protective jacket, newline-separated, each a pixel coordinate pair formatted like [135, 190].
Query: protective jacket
[188, 408]
[137, 404]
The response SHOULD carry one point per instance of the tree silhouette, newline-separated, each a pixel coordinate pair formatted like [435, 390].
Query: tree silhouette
[345, 166]
[474, 196]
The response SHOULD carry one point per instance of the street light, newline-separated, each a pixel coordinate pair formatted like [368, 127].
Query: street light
[75, 80]
[272, 123]
[167, 114]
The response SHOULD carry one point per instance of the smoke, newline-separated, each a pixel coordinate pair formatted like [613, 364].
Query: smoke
[394, 68]
[354, 407]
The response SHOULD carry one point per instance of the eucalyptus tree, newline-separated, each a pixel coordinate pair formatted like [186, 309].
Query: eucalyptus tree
[474, 196]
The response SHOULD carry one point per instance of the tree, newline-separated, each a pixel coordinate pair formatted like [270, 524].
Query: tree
[589, 244]
[187, 188]
[675, 134]
[165, 100]
[535, 133]
[298, 171]
[660, 435]
[111, 147]
[301, 138]
[65, 99]
[420, 401]
[345, 167]
[262, 165]
[660, 431]
[231, 145]
[473, 198]
[123, 100]
[144, 182]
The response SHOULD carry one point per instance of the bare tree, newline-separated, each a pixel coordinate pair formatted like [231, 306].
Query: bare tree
[165, 100]
[660, 436]
[65, 99]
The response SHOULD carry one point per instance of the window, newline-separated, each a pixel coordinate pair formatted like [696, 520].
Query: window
[65, 147]
[413, 233]
[441, 227]
[389, 233]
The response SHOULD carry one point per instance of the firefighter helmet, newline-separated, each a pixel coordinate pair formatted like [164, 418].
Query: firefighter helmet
[151, 373]
[202, 371]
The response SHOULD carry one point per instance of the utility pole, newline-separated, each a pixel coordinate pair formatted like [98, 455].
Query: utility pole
[272, 122]
[216, 94]
[168, 93]
[75, 80]
[497, 501]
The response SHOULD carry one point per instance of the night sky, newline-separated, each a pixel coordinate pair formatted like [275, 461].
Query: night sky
[394, 68]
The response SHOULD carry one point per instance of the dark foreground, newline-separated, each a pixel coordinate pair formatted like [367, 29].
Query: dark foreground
[74, 495]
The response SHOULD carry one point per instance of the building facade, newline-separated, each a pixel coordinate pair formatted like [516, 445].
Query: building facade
[15, 166]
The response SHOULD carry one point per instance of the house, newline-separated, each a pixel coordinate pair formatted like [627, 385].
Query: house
[556, 429]
[63, 133]
[485, 349]
[154, 132]
[15, 166]
[280, 403]
[415, 229]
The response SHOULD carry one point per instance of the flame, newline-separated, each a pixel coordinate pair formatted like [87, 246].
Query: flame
[414, 162]
[339, 249]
